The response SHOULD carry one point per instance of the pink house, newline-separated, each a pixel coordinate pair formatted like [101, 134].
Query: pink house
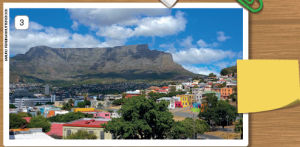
[178, 104]
[105, 115]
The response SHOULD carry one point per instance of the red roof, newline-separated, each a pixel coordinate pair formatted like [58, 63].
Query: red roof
[194, 84]
[86, 123]
[165, 87]
[56, 129]
[27, 118]
[222, 80]
[162, 90]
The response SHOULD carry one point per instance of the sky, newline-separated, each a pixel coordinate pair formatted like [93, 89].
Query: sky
[203, 41]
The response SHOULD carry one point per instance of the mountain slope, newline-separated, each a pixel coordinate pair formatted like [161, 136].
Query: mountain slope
[132, 62]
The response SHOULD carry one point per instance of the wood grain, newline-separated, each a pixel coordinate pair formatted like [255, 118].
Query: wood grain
[274, 34]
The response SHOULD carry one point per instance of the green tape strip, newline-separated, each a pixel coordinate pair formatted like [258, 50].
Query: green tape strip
[246, 4]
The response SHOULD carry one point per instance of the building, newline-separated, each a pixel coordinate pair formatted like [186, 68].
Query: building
[168, 99]
[177, 87]
[29, 102]
[198, 94]
[91, 125]
[47, 92]
[191, 98]
[184, 100]
[59, 104]
[56, 130]
[20, 93]
[112, 97]
[132, 93]
[225, 92]
[195, 81]
[94, 103]
[217, 94]
[104, 115]
[82, 109]
[53, 98]
[32, 134]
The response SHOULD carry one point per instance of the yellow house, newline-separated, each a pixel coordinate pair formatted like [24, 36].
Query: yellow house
[195, 81]
[83, 109]
[184, 99]
[191, 98]
[91, 125]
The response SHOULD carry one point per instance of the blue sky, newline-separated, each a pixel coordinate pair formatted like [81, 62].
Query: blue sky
[201, 40]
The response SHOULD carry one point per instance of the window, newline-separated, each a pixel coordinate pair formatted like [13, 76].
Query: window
[106, 114]
[91, 132]
[101, 135]
[185, 103]
[68, 132]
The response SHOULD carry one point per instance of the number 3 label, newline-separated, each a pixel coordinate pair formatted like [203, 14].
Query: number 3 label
[21, 22]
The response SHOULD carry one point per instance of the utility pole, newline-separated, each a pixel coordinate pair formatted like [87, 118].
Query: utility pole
[194, 124]
[227, 125]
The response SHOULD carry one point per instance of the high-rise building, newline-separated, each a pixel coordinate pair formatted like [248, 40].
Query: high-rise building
[47, 90]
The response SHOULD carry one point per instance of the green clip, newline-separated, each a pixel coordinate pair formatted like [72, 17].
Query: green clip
[249, 2]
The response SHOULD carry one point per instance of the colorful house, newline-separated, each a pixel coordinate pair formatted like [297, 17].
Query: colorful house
[184, 99]
[91, 125]
[133, 93]
[82, 109]
[56, 129]
[105, 115]
[217, 94]
[178, 104]
[225, 92]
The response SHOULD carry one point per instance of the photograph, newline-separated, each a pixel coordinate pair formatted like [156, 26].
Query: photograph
[123, 72]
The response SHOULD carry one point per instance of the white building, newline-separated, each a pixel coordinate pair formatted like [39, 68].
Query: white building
[168, 99]
[53, 98]
[30, 102]
[47, 90]
[60, 112]
[177, 87]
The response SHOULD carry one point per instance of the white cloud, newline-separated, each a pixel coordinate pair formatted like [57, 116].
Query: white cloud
[201, 43]
[75, 25]
[240, 55]
[187, 43]
[222, 65]
[202, 55]
[148, 26]
[200, 70]
[221, 36]
[106, 17]
[22, 40]
[170, 47]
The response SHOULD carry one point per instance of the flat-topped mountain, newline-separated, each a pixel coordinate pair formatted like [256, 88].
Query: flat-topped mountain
[132, 62]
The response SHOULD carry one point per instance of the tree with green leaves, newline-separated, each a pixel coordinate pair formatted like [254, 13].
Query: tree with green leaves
[40, 122]
[142, 118]
[173, 83]
[81, 134]
[16, 121]
[38, 104]
[71, 116]
[172, 89]
[196, 86]
[49, 103]
[211, 75]
[71, 102]
[11, 106]
[234, 89]
[66, 106]
[23, 114]
[200, 127]
[38, 113]
[99, 105]
[223, 108]
[239, 127]
[124, 94]
[119, 101]
[81, 104]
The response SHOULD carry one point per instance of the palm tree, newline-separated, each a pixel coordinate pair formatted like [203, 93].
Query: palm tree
[239, 127]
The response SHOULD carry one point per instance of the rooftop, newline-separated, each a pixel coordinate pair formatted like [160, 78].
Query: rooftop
[87, 122]
[56, 129]
[36, 136]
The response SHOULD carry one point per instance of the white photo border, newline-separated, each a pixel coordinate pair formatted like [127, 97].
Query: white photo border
[7, 142]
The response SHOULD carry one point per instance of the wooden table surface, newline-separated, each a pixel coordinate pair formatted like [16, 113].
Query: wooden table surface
[274, 34]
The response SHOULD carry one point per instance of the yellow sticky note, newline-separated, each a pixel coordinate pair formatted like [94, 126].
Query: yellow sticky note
[267, 84]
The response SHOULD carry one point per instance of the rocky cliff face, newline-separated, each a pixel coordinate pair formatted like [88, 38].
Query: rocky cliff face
[47, 63]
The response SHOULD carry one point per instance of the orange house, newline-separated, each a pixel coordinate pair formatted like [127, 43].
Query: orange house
[225, 92]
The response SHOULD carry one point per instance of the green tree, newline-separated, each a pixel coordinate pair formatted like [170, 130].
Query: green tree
[81, 134]
[40, 122]
[234, 89]
[71, 102]
[200, 127]
[124, 94]
[119, 101]
[23, 114]
[173, 83]
[210, 99]
[227, 100]
[177, 131]
[38, 113]
[141, 119]
[223, 108]
[81, 104]
[211, 75]
[99, 105]
[233, 97]
[49, 103]
[71, 116]
[66, 106]
[38, 104]
[87, 102]
[238, 128]
[172, 89]
[196, 86]
[11, 106]
[16, 121]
